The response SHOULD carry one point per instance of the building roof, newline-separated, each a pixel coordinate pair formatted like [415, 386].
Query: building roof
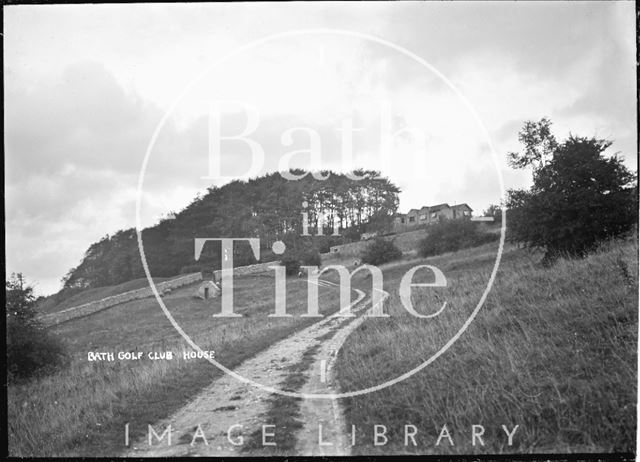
[435, 208]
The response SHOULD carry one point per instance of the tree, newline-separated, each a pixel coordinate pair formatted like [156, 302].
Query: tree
[579, 197]
[539, 143]
[300, 251]
[380, 251]
[31, 349]
[495, 212]
[20, 300]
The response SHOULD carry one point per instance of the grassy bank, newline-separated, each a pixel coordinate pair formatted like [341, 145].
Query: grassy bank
[82, 410]
[553, 350]
[59, 302]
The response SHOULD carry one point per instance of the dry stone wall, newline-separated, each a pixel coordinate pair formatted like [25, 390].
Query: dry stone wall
[93, 307]
[162, 287]
[250, 269]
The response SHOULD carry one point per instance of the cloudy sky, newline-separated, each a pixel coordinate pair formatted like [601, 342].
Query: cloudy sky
[87, 86]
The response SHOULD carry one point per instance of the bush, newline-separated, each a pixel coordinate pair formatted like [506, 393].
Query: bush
[352, 234]
[299, 252]
[324, 243]
[495, 212]
[380, 251]
[452, 235]
[31, 349]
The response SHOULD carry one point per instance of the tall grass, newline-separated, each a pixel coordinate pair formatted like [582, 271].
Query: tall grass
[82, 410]
[553, 350]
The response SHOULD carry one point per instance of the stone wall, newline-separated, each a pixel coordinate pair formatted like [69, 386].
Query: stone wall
[250, 269]
[146, 292]
[93, 307]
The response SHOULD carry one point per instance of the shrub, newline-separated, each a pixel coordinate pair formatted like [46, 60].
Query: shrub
[380, 251]
[452, 235]
[352, 234]
[299, 252]
[324, 243]
[31, 349]
[495, 212]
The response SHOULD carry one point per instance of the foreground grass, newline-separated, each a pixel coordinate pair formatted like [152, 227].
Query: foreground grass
[82, 410]
[553, 350]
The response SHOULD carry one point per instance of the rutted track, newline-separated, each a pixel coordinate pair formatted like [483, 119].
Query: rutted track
[228, 402]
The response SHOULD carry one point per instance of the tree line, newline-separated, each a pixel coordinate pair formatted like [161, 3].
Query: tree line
[268, 207]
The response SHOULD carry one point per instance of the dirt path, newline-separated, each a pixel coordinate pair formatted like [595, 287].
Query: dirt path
[230, 404]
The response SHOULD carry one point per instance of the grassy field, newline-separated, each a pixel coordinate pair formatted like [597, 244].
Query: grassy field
[553, 350]
[82, 410]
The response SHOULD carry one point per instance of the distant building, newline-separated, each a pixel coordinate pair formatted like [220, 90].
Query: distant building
[429, 215]
[461, 211]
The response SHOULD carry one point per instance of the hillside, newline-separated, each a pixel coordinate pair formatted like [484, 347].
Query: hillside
[553, 351]
[407, 242]
[61, 301]
[82, 409]
[268, 207]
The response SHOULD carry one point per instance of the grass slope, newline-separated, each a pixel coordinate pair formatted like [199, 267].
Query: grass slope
[58, 302]
[82, 410]
[553, 350]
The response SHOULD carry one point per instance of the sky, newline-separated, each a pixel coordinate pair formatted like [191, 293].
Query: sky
[441, 87]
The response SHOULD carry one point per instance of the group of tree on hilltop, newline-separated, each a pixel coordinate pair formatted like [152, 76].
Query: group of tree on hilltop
[269, 207]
